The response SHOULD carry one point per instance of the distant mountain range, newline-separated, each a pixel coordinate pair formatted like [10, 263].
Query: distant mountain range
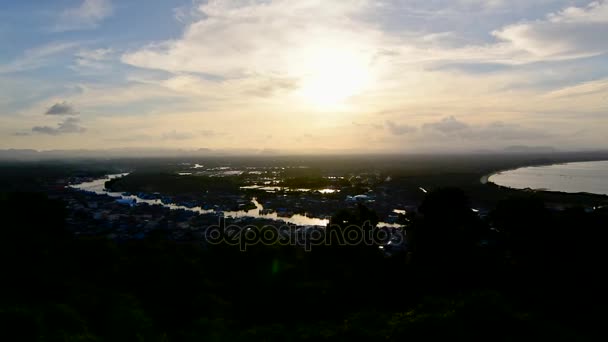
[530, 149]
[34, 155]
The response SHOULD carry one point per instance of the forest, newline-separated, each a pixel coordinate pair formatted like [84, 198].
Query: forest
[525, 273]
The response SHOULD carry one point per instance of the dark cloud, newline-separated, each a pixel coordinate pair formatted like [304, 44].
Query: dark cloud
[498, 130]
[69, 125]
[61, 108]
[504, 131]
[529, 149]
[398, 129]
[447, 125]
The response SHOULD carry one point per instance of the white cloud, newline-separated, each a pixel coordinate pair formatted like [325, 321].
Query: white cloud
[240, 38]
[260, 67]
[573, 32]
[283, 39]
[597, 87]
[267, 49]
[37, 57]
[595, 12]
[94, 55]
[86, 16]
[96, 60]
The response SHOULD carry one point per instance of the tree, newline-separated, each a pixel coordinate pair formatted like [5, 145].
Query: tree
[444, 239]
[525, 223]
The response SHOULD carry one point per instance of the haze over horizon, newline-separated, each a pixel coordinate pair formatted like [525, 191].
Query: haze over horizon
[305, 76]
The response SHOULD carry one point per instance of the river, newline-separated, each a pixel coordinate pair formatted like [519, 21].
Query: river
[98, 186]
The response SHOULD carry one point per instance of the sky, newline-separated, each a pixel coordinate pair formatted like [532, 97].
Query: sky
[306, 76]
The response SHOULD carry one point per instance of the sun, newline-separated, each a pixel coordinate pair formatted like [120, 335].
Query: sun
[333, 76]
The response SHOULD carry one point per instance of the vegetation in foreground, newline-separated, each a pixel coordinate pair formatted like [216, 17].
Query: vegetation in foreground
[525, 273]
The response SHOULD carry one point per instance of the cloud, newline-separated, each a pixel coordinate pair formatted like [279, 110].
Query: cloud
[67, 126]
[94, 55]
[244, 38]
[279, 47]
[573, 32]
[92, 59]
[237, 52]
[86, 16]
[529, 149]
[485, 4]
[453, 128]
[397, 129]
[61, 108]
[570, 33]
[505, 131]
[447, 125]
[599, 87]
[237, 60]
[37, 57]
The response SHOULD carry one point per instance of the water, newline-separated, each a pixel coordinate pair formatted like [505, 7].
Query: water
[272, 189]
[581, 177]
[98, 186]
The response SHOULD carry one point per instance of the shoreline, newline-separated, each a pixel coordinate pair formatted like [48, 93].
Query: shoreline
[486, 179]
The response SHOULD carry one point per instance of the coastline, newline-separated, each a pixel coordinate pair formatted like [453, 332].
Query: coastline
[487, 179]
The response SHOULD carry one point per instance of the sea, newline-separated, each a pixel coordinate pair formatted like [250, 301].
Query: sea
[579, 177]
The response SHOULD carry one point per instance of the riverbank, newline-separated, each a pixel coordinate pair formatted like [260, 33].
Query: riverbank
[97, 186]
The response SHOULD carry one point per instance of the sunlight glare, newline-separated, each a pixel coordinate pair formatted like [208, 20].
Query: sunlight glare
[333, 76]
